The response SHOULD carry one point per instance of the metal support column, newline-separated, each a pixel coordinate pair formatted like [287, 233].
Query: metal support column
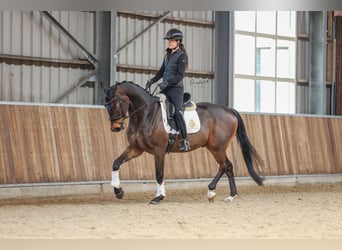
[223, 58]
[113, 48]
[105, 45]
[317, 68]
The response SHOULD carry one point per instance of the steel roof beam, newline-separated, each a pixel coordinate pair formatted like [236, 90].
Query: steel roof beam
[70, 38]
[143, 32]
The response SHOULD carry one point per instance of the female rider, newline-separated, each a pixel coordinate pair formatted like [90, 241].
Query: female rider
[172, 71]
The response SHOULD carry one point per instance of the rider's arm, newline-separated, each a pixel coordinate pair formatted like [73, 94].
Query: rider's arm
[159, 73]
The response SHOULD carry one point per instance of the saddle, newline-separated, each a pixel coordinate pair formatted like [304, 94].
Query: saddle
[191, 117]
[190, 114]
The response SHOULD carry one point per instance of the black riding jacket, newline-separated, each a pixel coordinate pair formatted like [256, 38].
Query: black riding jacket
[172, 69]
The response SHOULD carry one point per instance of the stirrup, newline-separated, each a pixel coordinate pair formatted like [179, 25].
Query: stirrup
[185, 146]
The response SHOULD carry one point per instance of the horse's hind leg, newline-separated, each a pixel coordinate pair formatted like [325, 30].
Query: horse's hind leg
[213, 183]
[231, 180]
[225, 168]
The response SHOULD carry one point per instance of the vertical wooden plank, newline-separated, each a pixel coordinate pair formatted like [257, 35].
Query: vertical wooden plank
[7, 175]
[17, 121]
[98, 139]
[31, 135]
[75, 145]
[335, 139]
[49, 161]
[63, 148]
[79, 126]
[289, 132]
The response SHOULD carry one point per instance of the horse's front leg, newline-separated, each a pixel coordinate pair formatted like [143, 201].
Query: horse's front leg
[159, 159]
[129, 153]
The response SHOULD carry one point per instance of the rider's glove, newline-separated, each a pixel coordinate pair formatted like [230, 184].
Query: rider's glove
[163, 85]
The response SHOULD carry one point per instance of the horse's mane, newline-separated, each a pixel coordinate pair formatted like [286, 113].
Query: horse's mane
[135, 85]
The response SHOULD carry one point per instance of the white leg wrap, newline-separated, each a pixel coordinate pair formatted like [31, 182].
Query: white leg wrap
[161, 190]
[211, 194]
[115, 179]
[230, 198]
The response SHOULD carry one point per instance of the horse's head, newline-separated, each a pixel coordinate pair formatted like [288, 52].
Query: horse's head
[117, 107]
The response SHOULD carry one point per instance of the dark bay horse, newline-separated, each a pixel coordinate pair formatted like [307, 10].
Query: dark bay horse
[145, 132]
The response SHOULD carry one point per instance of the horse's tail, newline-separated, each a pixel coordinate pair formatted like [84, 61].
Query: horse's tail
[250, 154]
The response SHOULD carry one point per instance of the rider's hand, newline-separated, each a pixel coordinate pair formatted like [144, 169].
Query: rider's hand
[163, 85]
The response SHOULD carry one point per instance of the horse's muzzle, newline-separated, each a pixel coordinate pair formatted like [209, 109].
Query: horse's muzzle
[115, 129]
[117, 126]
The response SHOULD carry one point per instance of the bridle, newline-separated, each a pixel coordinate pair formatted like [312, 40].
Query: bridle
[109, 106]
[122, 115]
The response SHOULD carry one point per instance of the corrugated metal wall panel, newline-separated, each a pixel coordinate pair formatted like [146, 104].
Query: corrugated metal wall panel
[200, 88]
[24, 83]
[303, 64]
[302, 90]
[197, 40]
[28, 33]
[192, 15]
[148, 50]
[303, 60]
[303, 22]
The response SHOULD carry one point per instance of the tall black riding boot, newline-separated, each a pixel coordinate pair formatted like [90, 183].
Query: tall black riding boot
[185, 145]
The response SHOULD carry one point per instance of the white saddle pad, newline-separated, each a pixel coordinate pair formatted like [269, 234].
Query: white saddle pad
[191, 118]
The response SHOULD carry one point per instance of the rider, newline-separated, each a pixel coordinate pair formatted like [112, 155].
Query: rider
[172, 71]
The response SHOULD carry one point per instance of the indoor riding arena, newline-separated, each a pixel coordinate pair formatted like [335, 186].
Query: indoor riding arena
[57, 148]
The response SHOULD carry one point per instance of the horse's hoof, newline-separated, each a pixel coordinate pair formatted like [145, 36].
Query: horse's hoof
[230, 198]
[211, 195]
[211, 199]
[119, 193]
[157, 199]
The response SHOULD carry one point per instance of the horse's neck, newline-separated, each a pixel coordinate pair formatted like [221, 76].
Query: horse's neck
[141, 107]
[139, 100]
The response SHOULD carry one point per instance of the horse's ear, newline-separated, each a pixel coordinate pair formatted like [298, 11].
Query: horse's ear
[105, 89]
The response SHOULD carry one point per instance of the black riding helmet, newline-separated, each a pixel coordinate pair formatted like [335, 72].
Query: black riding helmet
[174, 34]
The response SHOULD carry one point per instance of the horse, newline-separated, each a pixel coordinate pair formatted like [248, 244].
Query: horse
[146, 133]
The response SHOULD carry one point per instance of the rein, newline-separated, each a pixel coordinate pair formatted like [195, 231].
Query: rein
[121, 111]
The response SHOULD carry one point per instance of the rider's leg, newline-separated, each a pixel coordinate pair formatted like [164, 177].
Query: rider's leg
[185, 145]
[175, 95]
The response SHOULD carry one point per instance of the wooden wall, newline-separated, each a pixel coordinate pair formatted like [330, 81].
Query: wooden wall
[40, 144]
